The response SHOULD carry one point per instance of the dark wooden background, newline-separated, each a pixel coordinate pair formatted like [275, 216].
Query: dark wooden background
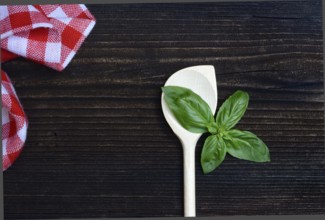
[99, 146]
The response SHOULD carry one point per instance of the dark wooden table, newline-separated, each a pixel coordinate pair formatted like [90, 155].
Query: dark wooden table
[99, 146]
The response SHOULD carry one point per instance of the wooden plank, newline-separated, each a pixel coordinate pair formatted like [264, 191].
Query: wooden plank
[98, 145]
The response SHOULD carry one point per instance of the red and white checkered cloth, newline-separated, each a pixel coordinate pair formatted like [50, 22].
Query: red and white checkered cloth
[14, 123]
[46, 34]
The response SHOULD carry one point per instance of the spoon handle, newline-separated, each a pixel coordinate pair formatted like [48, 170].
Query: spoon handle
[189, 178]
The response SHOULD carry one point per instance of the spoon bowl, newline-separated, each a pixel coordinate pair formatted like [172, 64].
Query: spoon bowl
[202, 81]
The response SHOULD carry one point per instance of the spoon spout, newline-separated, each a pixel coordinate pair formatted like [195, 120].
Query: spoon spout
[189, 178]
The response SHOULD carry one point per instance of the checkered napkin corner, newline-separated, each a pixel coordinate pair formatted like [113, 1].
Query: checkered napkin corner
[14, 123]
[47, 34]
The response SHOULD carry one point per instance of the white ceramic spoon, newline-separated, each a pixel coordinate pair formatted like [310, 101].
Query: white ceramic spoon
[201, 80]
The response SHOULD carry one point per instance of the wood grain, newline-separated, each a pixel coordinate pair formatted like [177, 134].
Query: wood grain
[98, 145]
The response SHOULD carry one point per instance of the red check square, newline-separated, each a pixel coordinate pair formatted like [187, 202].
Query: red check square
[20, 19]
[73, 38]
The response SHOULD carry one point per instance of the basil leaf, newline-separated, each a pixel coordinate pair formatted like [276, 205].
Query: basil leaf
[246, 145]
[190, 110]
[213, 153]
[232, 110]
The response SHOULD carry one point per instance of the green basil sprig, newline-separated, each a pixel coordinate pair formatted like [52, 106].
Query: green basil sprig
[195, 115]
